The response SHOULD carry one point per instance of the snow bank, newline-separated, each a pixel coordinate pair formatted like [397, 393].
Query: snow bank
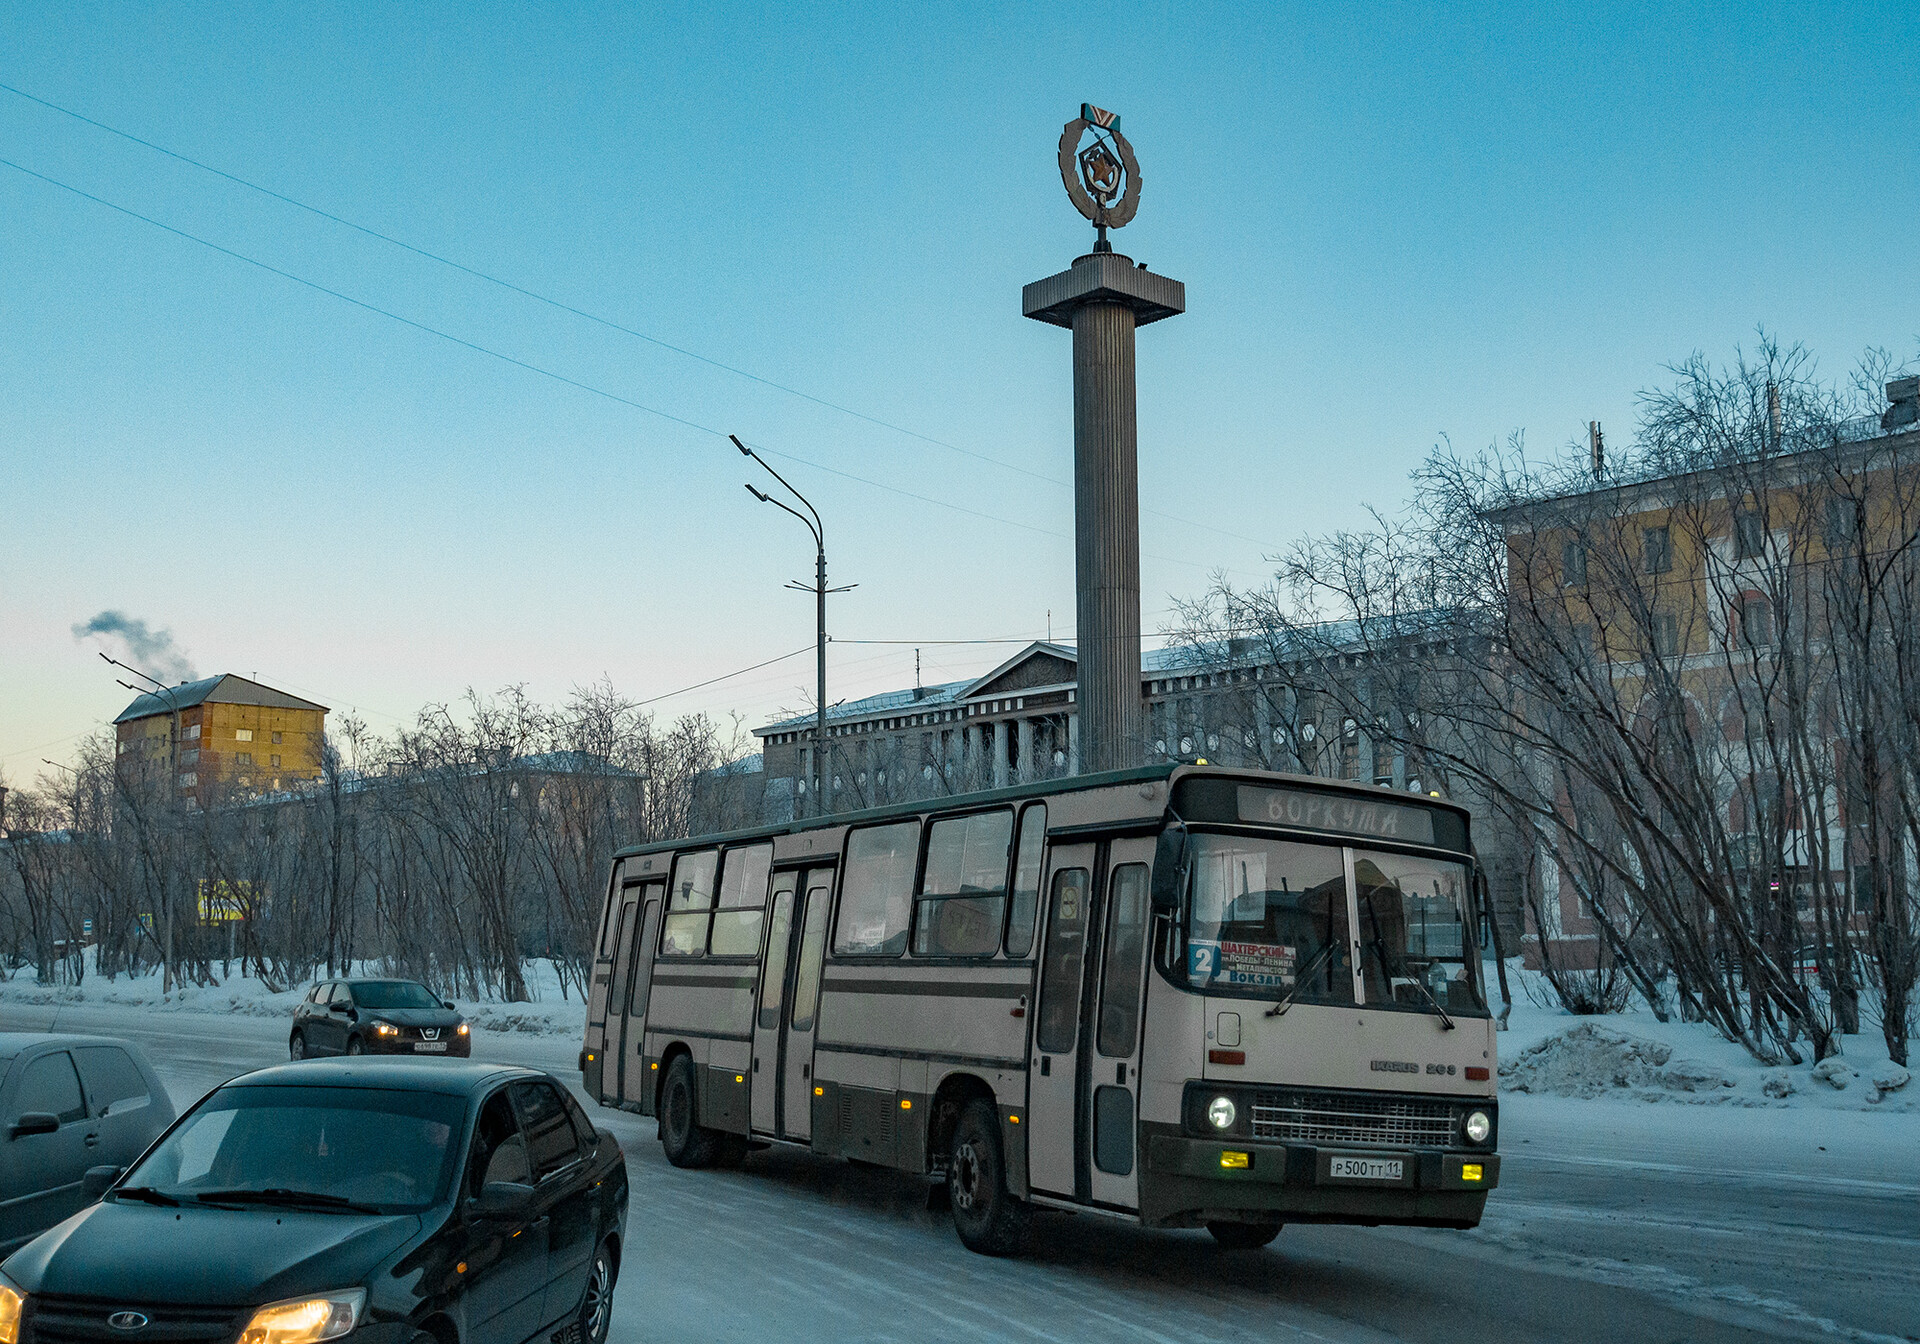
[548, 1015]
[1590, 1060]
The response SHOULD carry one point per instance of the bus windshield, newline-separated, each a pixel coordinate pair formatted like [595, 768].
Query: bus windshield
[1272, 919]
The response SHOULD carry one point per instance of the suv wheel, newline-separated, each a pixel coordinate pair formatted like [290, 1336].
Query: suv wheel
[686, 1143]
[355, 1048]
[986, 1214]
[297, 1047]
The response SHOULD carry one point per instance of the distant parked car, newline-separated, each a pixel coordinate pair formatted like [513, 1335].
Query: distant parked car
[68, 1103]
[387, 1201]
[376, 1017]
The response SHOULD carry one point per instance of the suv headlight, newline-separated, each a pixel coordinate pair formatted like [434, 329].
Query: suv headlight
[386, 1029]
[1479, 1125]
[12, 1303]
[462, 1028]
[306, 1320]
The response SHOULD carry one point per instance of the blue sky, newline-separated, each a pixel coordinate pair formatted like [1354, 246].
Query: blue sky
[1394, 223]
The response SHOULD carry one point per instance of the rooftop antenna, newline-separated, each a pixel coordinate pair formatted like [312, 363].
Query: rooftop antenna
[1597, 442]
[1049, 625]
[916, 670]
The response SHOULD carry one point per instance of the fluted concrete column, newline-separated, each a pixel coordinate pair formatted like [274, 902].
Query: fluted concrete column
[1026, 770]
[1104, 298]
[1073, 744]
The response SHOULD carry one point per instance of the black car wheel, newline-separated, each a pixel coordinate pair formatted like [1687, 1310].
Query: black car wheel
[687, 1144]
[354, 1047]
[297, 1047]
[1243, 1236]
[596, 1307]
[986, 1214]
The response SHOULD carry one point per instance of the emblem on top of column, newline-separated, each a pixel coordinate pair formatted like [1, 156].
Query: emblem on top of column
[1101, 175]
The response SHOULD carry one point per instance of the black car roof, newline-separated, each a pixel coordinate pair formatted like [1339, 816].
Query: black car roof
[18, 1042]
[450, 1076]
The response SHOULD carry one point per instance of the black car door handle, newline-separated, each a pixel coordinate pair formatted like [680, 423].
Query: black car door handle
[92, 1140]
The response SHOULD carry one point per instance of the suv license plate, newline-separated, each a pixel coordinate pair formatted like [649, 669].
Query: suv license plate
[426, 1046]
[1364, 1168]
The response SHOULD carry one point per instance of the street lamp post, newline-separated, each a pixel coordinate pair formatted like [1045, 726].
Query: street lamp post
[819, 591]
[171, 793]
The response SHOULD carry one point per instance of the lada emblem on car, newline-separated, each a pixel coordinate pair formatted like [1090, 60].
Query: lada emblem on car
[127, 1320]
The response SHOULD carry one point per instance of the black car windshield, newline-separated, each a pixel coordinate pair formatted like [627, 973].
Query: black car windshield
[373, 1148]
[393, 994]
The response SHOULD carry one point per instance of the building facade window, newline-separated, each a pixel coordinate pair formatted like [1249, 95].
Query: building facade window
[276, 739]
[1666, 634]
[1573, 562]
[1656, 549]
[274, 761]
[243, 758]
[1755, 617]
[1749, 535]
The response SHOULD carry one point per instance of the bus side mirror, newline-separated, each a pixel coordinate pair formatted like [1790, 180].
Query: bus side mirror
[1169, 869]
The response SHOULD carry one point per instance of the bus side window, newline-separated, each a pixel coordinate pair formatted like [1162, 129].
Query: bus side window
[1026, 880]
[689, 905]
[1060, 970]
[742, 904]
[963, 887]
[876, 891]
[1126, 945]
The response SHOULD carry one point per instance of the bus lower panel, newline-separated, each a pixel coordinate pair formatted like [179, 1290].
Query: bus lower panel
[1185, 1185]
[886, 1128]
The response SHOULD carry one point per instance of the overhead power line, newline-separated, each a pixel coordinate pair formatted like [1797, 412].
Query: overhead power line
[544, 372]
[565, 307]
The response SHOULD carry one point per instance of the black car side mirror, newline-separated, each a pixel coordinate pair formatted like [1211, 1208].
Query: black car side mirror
[34, 1122]
[447, 1003]
[339, 1008]
[99, 1180]
[502, 1201]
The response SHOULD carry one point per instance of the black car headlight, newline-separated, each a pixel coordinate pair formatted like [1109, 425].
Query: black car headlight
[13, 1303]
[306, 1320]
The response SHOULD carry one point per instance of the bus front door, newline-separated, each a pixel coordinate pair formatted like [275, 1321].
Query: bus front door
[603, 1012]
[765, 1094]
[1055, 1163]
[802, 1020]
[1113, 1031]
[635, 1084]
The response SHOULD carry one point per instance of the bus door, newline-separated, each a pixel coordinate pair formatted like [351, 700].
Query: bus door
[765, 1092]
[603, 1013]
[1113, 1031]
[803, 1007]
[1053, 1086]
[637, 989]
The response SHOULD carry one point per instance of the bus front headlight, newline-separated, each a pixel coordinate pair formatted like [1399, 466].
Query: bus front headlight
[1221, 1112]
[1479, 1125]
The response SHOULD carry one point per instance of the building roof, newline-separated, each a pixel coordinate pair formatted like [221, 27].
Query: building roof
[225, 689]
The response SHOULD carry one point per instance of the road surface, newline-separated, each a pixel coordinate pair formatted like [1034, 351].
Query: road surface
[1650, 1223]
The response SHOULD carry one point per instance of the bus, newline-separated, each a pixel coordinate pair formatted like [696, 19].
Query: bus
[1183, 995]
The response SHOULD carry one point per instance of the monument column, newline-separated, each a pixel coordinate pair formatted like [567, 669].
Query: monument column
[1103, 299]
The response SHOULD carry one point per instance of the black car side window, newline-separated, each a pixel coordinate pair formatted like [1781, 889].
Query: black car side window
[114, 1083]
[499, 1149]
[50, 1086]
[551, 1140]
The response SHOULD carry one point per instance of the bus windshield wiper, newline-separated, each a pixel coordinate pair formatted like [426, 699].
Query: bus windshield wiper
[283, 1197]
[1313, 963]
[1433, 999]
[146, 1193]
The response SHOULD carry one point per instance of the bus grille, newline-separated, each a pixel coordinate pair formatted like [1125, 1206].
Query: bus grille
[1341, 1117]
[74, 1320]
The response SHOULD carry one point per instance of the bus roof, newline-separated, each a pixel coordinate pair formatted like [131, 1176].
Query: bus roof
[1017, 792]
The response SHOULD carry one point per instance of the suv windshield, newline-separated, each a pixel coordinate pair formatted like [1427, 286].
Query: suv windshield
[1270, 919]
[393, 994]
[386, 1150]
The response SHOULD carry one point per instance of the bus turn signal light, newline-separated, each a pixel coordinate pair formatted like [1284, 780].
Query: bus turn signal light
[1471, 1171]
[1226, 1056]
[1233, 1161]
[1478, 1073]
[819, 1091]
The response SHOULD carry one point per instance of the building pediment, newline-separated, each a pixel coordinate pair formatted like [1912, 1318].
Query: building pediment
[1039, 664]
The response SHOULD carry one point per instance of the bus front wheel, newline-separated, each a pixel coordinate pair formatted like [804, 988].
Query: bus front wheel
[1244, 1236]
[687, 1144]
[986, 1214]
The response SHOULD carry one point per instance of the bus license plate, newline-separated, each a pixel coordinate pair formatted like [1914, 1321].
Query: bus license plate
[1365, 1168]
[426, 1047]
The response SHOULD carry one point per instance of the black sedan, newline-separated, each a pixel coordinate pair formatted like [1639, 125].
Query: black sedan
[376, 1017]
[401, 1202]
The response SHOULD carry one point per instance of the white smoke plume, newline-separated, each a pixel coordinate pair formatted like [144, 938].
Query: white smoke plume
[149, 650]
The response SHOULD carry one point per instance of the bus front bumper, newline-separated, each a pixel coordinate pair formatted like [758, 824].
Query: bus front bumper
[1190, 1181]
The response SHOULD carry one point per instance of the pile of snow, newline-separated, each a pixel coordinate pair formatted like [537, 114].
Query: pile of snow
[549, 1014]
[1590, 1060]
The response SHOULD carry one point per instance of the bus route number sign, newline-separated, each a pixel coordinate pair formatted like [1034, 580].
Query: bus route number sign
[1236, 963]
[1380, 820]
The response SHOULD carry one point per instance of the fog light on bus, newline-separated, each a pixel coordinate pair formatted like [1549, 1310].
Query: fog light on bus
[1470, 1171]
[1234, 1161]
[1479, 1125]
[1221, 1113]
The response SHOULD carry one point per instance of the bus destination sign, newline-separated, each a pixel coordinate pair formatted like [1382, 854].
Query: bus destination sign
[1381, 820]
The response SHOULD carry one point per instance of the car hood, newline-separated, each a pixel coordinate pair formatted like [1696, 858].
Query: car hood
[143, 1253]
[412, 1017]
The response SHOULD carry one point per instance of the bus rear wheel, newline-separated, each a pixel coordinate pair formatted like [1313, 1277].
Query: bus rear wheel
[686, 1142]
[986, 1214]
[1244, 1236]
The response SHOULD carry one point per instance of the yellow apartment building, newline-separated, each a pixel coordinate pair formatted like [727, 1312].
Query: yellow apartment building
[235, 738]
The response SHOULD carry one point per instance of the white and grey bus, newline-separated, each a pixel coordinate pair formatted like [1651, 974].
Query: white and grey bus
[1181, 995]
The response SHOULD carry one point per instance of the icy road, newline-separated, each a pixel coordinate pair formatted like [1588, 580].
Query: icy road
[1615, 1222]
